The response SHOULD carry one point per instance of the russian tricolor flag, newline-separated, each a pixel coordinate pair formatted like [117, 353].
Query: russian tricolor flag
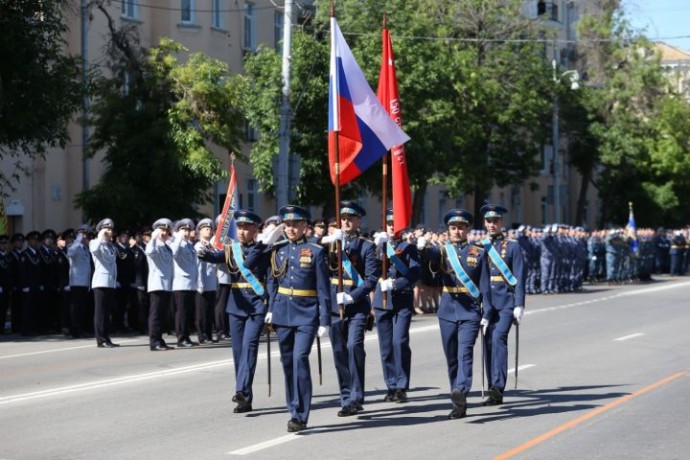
[365, 130]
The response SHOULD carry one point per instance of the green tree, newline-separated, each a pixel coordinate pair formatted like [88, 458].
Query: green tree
[40, 85]
[156, 120]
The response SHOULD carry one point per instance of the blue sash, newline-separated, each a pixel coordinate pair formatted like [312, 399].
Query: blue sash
[390, 252]
[499, 262]
[351, 271]
[244, 271]
[460, 271]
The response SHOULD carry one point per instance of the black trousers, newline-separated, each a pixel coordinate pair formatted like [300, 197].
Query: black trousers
[79, 305]
[221, 317]
[65, 308]
[103, 298]
[184, 308]
[140, 298]
[159, 306]
[205, 308]
[4, 307]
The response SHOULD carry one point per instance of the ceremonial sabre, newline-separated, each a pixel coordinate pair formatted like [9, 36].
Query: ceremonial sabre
[517, 352]
[318, 354]
[268, 356]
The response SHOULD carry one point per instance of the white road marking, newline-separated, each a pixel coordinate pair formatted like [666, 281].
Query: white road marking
[264, 445]
[33, 353]
[626, 337]
[521, 368]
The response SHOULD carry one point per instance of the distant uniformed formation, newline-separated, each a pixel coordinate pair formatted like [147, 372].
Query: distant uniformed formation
[283, 277]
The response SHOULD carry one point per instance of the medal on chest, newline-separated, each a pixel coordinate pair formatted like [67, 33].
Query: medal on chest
[305, 258]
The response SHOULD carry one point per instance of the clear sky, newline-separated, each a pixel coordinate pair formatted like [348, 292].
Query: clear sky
[661, 20]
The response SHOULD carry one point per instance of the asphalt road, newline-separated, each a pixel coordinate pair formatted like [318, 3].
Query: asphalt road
[603, 374]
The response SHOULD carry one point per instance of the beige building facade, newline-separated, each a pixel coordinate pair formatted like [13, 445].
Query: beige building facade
[226, 29]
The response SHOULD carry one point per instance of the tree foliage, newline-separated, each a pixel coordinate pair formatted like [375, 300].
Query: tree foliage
[156, 119]
[40, 85]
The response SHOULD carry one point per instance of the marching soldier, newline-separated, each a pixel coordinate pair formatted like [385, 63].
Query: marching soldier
[246, 306]
[104, 281]
[79, 280]
[207, 283]
[185, 273]
[507, 272]
[299, 307]
[360, 272]
[394, 316]
[159, 259]
[465, 275]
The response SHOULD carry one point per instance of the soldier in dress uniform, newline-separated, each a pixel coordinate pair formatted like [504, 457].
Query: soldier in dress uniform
[464, 270]
[104, 281]
[247, 303]
[299, 305]
[393, 316]
[207, 283]
[140, 297]
[15, 254]
[159, 284]
[48, 318]
[677, 253]
[360, 271]
[185, 274]
[30, 283]
[5, 280]
[64, 291]
[125, 275]
[319, 231]
[507, 270]
[79, 280]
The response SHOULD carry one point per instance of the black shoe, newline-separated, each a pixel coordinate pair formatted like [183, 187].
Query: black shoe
[401, 396]
[242, 408]
[106, 345]
[239, 398]
[295, 425]
[391, 396]
[358, 406]
[114, 344]
[459, 404]
[347, 411]
[495, 397]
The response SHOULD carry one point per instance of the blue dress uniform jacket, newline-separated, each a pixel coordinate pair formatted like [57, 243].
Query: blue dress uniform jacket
[347, 336]
[393, 322]
[160, 263]
[105, 264]
[79, 265]
[504, 299]
[206, 279]
[185, 268]
[459, 313]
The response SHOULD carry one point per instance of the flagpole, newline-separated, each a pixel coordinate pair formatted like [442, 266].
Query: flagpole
[338, 243]
[384, 200]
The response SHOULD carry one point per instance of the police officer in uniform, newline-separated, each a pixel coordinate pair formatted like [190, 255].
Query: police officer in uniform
[299, 305]
[79, 280]
[125, 275]
[393, 316]
[247, 303]
[30, 283]
[507, 272]
[360, 271]
[207, 283]
[48, 316]
[104, 281]
[185, 274]
[15, 255]
[140, 297]
[464, 271]
[159, 284]
[64, 240]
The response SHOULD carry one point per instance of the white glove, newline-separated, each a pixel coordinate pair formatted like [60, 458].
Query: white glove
[117, 284]
[25, 290]
[322, 331]
[387, 285]
[271, 236]
[380, 238]
[101, 233]
[80, 237]
[67, 289]
[421, 243]
[344, 298]
[156, 234]
[517, 314]
[268, 318]
[200, 291]
[484, 323]
[337, 234]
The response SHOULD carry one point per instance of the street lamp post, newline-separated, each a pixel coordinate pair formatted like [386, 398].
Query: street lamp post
[574, 84]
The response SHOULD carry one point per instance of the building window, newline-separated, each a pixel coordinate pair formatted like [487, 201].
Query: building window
[543, 210]
[253, 195]
[250, 133]
[217, 18]
[249, 27]
[547, 9]
[130, 9]
[442, 201]
[187, 11]
[279, 22]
